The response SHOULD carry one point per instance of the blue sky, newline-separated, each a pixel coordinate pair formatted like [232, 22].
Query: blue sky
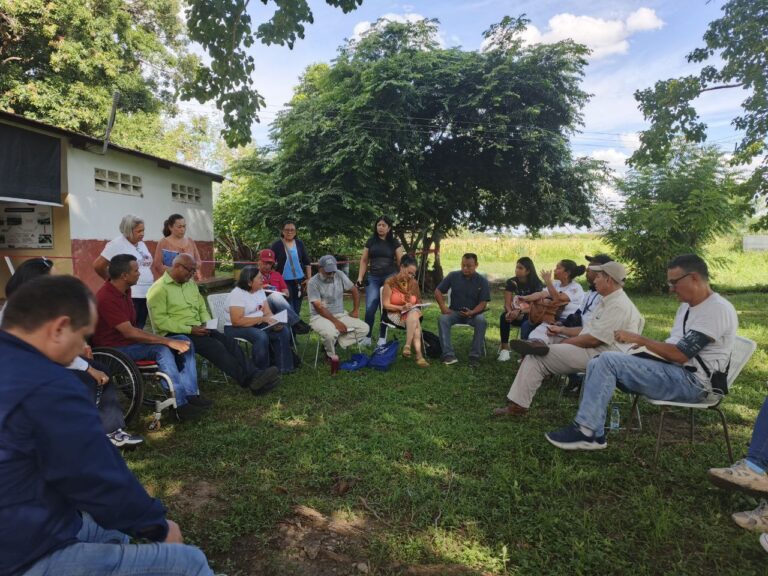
[635, 43]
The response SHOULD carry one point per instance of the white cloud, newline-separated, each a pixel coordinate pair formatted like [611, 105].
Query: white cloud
[630, 140]
[603, 37]
[643, 19]
[614, 158]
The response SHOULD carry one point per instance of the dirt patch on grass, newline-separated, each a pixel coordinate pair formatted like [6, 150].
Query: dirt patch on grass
[193, 497]
[311, 543]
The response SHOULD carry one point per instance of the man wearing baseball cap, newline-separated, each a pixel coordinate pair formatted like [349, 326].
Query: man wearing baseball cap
[615, 312]
[695, 357]
[277, 290]
[326, 306]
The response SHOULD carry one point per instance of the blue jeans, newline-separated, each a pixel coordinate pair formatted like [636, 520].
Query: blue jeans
[278, 303]
[102, 551]
[478, 322]
[373, 303]
[650, 378]
[525, 329]
[758, 446]
[294, 299]
[261, 342]
[184, 379]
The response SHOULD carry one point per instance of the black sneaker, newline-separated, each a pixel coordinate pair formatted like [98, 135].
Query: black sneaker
[189, 412]
[474, 361]
[267, 387]
[261, 379]
[301, 327]
[199, 401]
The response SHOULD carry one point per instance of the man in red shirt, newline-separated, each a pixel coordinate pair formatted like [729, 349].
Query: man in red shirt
[116, 328]
[277, 290]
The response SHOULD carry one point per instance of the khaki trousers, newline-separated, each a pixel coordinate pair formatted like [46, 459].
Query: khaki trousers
[357, 330]
[562, 359]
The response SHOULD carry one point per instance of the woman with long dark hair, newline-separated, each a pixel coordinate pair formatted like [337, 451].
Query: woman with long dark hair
[293, 263]
[525, 282]
[381, 258]
[174, 242]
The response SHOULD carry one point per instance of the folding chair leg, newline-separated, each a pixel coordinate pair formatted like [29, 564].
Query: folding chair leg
[635, 411]
[693, 416]
[658, 437]
[725, 433]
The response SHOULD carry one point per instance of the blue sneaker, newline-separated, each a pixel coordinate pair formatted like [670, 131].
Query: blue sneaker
[571, 438]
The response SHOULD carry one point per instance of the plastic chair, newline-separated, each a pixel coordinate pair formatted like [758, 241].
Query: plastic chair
[743, 348]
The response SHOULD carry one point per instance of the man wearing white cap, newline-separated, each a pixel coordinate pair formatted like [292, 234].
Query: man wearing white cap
[326, 307]
[615, 312]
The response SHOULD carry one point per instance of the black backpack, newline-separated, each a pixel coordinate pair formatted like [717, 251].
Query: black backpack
[432, 346]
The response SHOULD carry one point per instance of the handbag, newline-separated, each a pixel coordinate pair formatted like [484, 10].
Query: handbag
[544, 311]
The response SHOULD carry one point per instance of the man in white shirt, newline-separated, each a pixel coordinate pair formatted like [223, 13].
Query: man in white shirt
[615, 312]
[694, 357]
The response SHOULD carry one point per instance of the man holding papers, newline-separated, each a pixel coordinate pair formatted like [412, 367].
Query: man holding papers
[694, 357]
[117, 328]
[176, 307]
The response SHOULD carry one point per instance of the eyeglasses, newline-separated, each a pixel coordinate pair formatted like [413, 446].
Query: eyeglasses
[673, 283]
[188, 269]
[48, 263]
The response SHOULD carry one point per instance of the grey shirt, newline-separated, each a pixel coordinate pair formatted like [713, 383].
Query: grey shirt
[465, 292]
[328, 291]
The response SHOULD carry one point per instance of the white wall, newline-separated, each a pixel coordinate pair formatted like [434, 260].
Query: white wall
[95, 215]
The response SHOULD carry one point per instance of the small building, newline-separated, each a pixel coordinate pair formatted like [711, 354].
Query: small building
[63, 194]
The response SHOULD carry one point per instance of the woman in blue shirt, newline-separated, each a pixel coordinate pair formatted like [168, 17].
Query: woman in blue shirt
[293, 263]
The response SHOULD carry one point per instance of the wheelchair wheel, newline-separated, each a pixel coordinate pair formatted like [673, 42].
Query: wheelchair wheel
[125, 377]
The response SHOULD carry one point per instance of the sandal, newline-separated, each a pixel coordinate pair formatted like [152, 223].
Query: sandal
[421, 362]
[406, 351]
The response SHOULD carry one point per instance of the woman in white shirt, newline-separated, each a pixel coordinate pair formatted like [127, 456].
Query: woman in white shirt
[130, 241]
[247, 315]
[561, 287]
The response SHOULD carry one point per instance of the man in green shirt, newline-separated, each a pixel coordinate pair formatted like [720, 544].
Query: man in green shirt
[176, 307]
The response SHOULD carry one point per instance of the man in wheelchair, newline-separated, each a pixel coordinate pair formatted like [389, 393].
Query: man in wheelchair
[116, 328]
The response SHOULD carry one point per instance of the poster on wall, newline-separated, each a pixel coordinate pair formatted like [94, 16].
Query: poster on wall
[26, 226]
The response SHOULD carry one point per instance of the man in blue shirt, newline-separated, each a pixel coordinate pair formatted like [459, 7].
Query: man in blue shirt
[470, 294]
[68, 501]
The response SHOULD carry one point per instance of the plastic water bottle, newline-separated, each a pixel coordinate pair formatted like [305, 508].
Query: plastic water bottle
[204, 370]
[615, 418]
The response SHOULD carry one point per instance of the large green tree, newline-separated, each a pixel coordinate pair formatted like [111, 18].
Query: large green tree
[675, 207]
[226, 30]
[735, 57]
[437, 138]
[62, 61]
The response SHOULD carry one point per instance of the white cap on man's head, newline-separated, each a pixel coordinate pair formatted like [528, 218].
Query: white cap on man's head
[613, 269]
[328, 263]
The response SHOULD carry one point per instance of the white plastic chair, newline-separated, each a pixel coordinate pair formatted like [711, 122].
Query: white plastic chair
[743, 348]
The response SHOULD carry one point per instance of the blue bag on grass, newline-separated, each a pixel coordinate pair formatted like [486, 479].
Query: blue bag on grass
[355, 363]
[384, 356]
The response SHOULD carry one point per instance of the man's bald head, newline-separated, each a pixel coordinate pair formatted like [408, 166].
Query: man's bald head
[183, 268]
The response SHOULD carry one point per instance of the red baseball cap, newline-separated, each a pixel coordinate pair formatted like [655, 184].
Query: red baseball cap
[267, 255]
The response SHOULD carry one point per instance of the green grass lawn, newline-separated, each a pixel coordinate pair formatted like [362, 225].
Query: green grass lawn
[404, 472]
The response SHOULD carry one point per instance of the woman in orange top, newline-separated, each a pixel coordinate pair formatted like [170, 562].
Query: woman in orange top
[173, 243]
[399, 296]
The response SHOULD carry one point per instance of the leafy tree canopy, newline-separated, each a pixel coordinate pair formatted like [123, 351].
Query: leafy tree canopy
[61, 61]
[675, 207]
[737, 46]
[437, 138]
[226, 30]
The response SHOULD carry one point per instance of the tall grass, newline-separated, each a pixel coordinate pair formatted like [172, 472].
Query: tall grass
[732, 268]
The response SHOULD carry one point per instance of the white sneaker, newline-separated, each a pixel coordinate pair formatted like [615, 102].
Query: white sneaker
[504, 356]
[120, 438]
[756, 519]
[764, 541]
[740, 476]
[365, 342]
[381, 342]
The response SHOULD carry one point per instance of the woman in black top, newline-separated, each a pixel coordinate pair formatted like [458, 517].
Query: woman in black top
[293, 263]
[525, 282]
[382, 253]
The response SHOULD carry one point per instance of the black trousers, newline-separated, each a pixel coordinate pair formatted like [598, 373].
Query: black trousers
[226, 354]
